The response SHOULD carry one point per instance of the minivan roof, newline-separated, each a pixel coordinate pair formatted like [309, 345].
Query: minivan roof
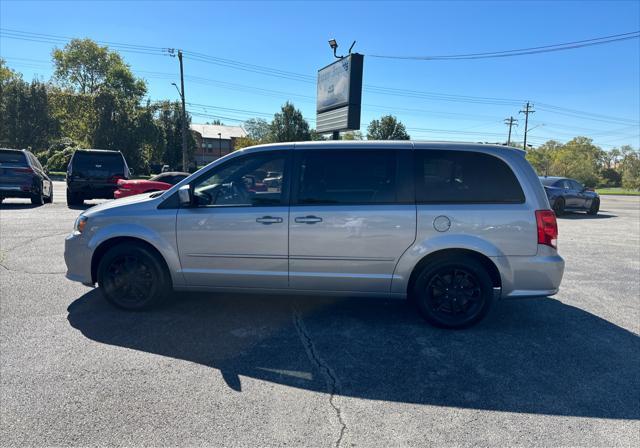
[395, 143]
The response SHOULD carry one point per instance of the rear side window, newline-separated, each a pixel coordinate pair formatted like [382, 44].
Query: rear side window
[12, 158]
[346, 177]
[97, 164]
[462, 177]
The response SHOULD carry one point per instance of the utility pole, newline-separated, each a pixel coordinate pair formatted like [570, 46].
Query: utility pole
[510, 121]
[185, 161]
[528, 109]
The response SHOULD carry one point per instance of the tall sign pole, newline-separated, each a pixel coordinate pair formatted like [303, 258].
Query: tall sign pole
[185, 161]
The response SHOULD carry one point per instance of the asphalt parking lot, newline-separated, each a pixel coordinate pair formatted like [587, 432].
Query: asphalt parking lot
[292, 371]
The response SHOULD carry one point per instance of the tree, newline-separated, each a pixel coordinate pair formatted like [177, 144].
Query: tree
[387, 128]
[258, 129]
[542, 157]
[630, 167]
[85, 67]
[244, 142]
[216, 122]
[579, 159]
[25, 116]
[289, 125]
[169, 121]
[352, 135]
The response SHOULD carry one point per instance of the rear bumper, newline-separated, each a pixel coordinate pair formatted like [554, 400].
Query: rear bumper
[17, 191]
[92, 191]
[534, 276]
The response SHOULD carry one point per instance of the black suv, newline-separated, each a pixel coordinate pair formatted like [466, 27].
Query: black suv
[94, 174]
[22, 176]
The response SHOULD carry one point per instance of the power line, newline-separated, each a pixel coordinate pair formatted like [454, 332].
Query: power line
[522, 51]
[406, 93]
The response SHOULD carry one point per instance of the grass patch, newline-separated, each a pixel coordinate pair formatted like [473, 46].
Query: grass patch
[619, 191]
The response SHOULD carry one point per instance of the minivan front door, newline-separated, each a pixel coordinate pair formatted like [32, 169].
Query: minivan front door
[352, 216]
[235, 234]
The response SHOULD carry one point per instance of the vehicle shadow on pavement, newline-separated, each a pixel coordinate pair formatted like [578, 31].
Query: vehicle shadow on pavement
[573, 215]
[532, 355]
[18, 205]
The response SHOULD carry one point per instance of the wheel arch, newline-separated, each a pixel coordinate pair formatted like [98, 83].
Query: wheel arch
[486, 262]
[106, 245]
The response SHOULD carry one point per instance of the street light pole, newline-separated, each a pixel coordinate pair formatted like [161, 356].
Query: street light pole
[219, 144]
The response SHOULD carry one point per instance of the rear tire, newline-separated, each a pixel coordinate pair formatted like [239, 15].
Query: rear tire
[454, 292]
[74, 198]
[133, 277]
[558, 207]
[595, 207]
[49, 199]
[38, 198]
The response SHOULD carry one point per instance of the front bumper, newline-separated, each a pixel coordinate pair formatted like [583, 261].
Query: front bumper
[77, 257]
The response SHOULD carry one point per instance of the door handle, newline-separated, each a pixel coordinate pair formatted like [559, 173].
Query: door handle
[266, 220]
[308, 219]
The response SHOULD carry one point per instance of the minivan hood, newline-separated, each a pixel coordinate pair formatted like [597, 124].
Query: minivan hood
[119, 203]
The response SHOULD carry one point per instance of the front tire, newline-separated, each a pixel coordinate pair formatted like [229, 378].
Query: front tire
[454, 292]
[595, 207]
[133, 277]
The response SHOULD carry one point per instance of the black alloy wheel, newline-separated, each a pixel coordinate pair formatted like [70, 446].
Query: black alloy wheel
[132, 277]
[595, 207]
[453, 293]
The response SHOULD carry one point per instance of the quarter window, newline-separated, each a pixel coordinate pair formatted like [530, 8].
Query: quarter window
[464, 177]
[346, 177]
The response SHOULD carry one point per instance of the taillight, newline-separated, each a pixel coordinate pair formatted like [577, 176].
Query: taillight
[547, 228]
[23, 170]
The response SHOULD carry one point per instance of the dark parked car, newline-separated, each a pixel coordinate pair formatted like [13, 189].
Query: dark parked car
[94, 174]
[22, 176]
[570, 195]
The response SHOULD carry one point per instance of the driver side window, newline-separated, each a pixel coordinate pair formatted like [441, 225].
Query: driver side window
[251, 181]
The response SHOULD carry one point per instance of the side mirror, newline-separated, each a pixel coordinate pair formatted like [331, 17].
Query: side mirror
[185, 196]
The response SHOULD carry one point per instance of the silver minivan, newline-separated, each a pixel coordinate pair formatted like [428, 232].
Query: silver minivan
[450, 226]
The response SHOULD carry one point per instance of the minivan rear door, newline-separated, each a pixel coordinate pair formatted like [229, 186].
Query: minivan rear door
[352, 216]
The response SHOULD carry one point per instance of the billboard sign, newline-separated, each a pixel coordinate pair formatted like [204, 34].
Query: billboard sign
[339, 95]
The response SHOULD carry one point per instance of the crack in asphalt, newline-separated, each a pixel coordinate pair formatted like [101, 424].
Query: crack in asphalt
[7, 268]
[330, 377]
[17, 246]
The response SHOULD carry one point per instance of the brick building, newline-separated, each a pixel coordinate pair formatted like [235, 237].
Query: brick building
[214, 141]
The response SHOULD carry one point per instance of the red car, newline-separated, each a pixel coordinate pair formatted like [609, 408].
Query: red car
[161, 182]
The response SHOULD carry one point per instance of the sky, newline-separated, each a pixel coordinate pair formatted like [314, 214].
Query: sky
[254, 56]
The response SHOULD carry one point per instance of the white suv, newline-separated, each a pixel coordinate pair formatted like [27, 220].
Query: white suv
[451, 226]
